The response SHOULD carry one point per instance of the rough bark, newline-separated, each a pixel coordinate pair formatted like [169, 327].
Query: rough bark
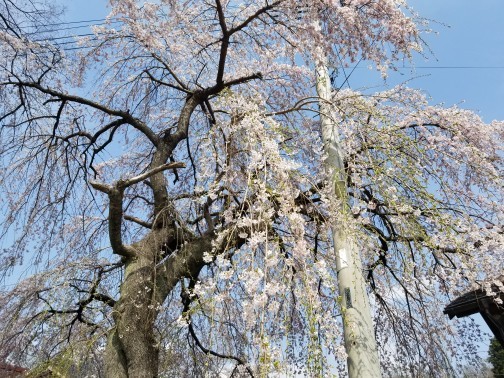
[114, 357]
[132, 348]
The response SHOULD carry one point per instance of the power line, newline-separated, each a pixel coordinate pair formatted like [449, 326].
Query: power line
[72, 22]
[89, 23]
[439, 67]
[68, 36]
[71, 27]
[452, 67]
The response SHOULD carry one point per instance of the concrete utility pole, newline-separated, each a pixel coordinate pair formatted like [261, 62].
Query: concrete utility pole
[360, 343]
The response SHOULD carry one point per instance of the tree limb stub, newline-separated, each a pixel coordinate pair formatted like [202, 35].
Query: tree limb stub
[123, 184]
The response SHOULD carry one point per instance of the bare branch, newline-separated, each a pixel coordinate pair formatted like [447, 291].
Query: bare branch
[135, 122]
[138, 221]
[179, 88]
[146, 175]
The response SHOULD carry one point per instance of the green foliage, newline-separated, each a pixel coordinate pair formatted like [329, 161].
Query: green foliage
[496, 357]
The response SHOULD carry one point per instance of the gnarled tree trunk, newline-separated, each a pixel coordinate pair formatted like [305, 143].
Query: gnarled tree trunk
[132, 348]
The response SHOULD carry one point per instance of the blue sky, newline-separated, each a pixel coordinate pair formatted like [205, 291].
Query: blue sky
[467, 46]
[475, 38]
[466, 34]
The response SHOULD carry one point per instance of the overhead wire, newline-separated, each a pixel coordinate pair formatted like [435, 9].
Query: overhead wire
[38, 31]
[443, 67]
[72, 22]
[72, 27]
[101, 21]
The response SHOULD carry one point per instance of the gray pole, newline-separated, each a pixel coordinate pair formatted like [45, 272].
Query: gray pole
[360, 343]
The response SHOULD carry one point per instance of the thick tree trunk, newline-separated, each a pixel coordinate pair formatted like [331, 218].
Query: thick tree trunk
[132, 348]
[114, 358]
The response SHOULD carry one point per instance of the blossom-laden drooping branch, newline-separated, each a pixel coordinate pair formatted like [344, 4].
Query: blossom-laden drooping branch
[165, 197]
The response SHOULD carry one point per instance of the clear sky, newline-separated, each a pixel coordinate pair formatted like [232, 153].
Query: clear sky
[474, 38]
[467, 46]
[465, 67]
